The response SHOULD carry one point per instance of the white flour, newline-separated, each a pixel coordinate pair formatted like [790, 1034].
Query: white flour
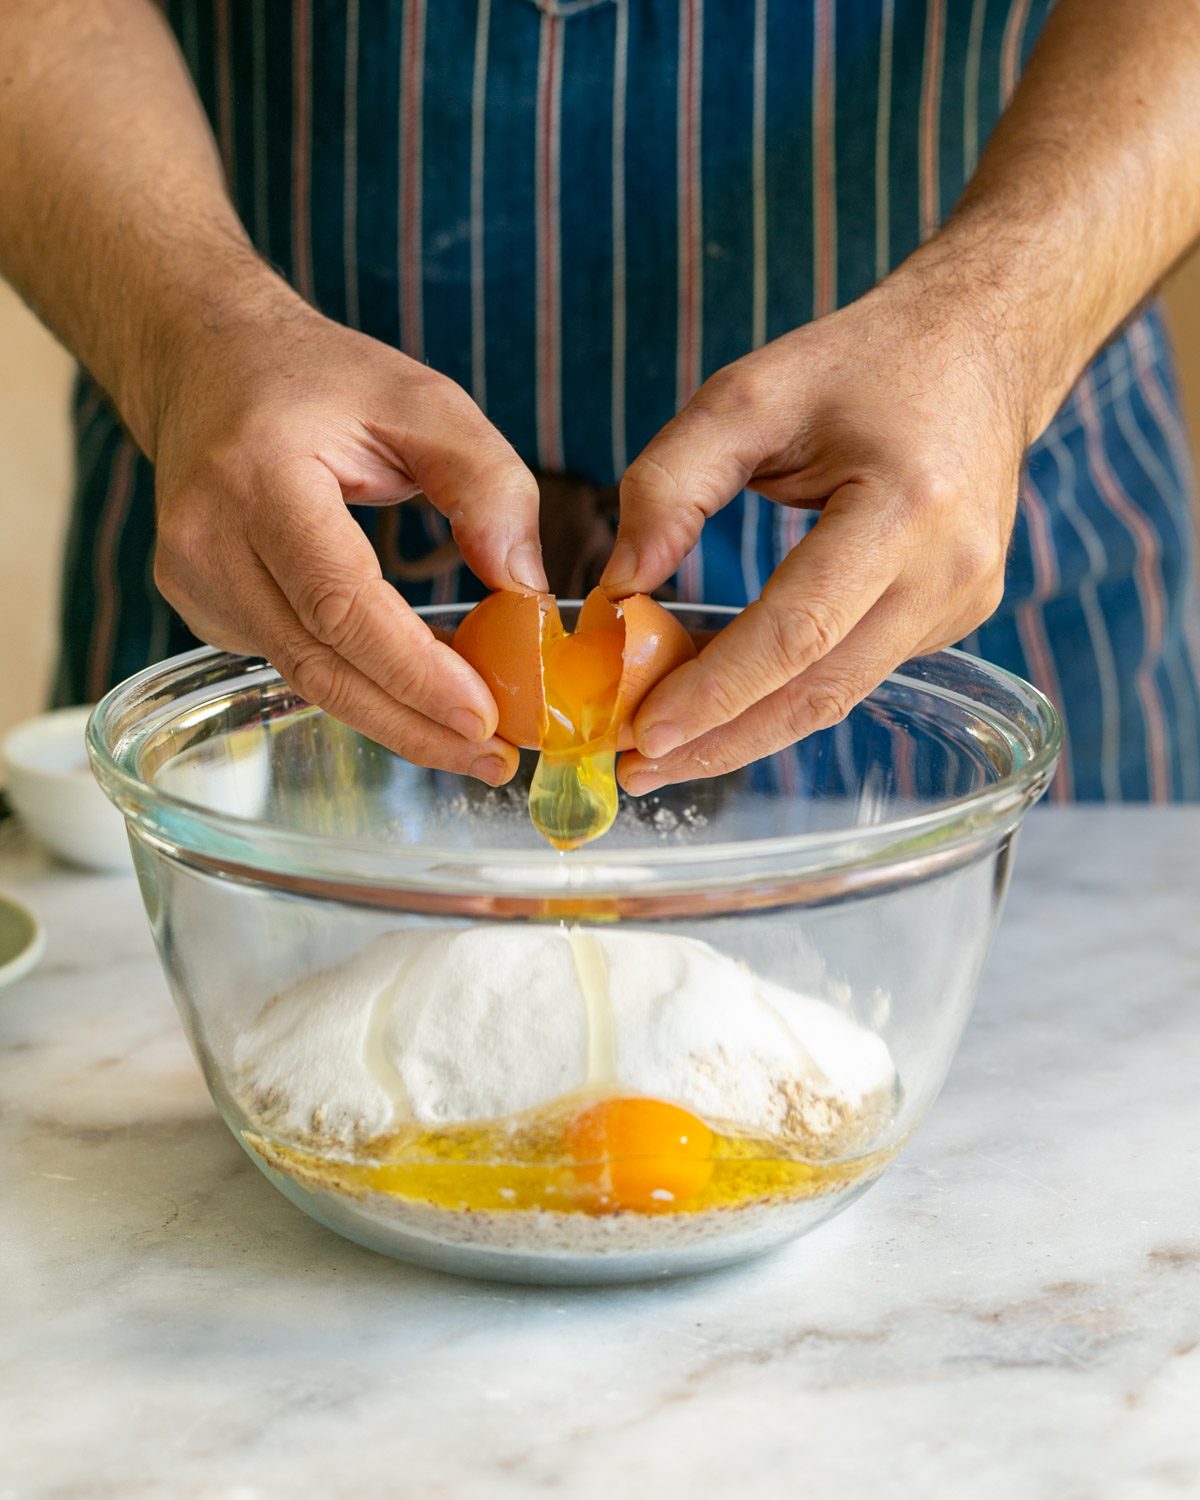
[436, 1028]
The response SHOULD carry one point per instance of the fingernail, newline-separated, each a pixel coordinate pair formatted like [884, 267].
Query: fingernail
[641, 782]
[622, 566]
[660, 740]
[490, 768]
[524, 564]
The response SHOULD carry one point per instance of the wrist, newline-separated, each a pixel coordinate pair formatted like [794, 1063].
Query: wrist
[1024, 329]
[219, 303]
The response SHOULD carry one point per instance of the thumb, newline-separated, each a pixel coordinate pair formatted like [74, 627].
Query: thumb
[700, 460]
[474, 477]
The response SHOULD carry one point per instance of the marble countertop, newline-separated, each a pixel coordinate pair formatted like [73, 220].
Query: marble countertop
[1012, 1313]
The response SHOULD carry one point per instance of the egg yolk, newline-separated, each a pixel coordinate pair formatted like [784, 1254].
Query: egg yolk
[573, 795]
[639, 1154]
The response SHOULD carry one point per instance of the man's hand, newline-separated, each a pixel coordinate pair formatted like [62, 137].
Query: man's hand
[904, 417]
[265, 432]
[892, 417]
[262, 418]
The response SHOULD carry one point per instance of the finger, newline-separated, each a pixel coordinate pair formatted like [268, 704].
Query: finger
[817, 699]
[329, 573]
[354, 700]
[320, 676]
[473, 476]
[699, 461]
[821, 590]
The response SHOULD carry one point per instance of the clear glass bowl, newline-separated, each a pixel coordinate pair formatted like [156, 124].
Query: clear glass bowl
[445, 1040]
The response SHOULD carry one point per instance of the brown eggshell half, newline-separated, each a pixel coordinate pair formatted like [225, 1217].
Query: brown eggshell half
[655, 644]
[502, 639]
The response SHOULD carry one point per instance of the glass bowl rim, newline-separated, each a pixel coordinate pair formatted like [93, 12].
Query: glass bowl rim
[996, 807]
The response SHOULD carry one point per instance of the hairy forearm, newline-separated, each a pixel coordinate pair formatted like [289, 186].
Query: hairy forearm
[116, 226]
[1087, 194]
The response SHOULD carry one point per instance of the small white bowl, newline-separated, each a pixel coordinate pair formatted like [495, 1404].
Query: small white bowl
[22, 941]
[52, 790]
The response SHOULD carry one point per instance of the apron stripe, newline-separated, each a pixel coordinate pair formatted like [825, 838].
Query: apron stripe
[1148, 586]
[883, 138]
[1165, 412]
[224, 89]
[417, 259]
[758, 157]
[792, 524]
[86, 411]
[549, 268]
[1014, 39]
[483, 19]
[931, 117]
[1099, 638]
[619, 288]
[412, 57]
[824, 161]
[1031, 623]
[689, 349]
[751, 565]
[301, 124]
[971, 69]
[824, 188]
[350, 167]
[108, 570]
[258, 53]
[1170, 425]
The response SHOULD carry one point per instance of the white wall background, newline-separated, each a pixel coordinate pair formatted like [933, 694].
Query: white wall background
[35, 474]
[34, 477]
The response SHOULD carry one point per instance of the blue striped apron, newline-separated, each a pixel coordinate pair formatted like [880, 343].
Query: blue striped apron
[580, 209]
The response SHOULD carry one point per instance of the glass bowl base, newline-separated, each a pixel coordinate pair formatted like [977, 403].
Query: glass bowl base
[551, 1249]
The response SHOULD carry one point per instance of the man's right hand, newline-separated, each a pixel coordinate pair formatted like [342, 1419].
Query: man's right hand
[265, 429]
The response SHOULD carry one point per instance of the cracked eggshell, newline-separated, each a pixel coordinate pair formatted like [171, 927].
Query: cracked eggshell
[505, 636]
[502, 638]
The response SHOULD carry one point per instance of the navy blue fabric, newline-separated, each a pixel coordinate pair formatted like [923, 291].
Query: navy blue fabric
[663, 184]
